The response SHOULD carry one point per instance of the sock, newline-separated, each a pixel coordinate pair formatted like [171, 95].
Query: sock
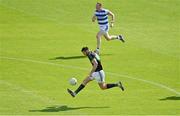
[79, 89]
[97, 49]
[111, 85]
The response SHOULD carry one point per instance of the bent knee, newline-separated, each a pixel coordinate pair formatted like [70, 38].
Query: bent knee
[107, 38]
[103, 87]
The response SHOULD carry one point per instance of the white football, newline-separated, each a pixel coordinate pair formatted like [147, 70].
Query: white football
[73, 81]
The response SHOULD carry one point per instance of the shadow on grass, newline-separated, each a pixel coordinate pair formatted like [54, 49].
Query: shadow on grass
[63, 108]
[171, 98]
[73, 57]
[67, 57]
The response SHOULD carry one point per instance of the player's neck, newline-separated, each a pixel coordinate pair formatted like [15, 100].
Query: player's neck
[99, 9]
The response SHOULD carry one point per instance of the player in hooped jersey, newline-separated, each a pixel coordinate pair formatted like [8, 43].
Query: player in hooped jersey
[96, 73]
[101, 15]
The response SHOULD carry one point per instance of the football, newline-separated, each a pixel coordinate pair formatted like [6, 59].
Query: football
[73, 81]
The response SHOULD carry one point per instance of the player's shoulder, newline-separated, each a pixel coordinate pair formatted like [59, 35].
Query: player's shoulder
[91, 55]
[105, 10]
[102, 10]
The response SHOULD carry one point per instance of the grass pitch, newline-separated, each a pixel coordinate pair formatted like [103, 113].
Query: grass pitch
[40, 42]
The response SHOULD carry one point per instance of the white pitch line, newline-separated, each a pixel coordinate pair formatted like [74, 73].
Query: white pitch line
[80, 68]
[147, 81]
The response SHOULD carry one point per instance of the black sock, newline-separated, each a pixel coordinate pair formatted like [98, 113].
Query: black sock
[79, 88]
[111, 85]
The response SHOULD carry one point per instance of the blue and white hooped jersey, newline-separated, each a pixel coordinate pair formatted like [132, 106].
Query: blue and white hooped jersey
[102, 16]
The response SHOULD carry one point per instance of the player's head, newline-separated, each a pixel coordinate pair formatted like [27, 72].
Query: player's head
[98, 6]
[85, 50]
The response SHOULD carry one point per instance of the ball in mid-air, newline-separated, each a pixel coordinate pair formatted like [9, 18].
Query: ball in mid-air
[73, 81]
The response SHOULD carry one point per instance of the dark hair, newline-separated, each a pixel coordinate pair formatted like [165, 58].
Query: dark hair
[99, 3]
[84, 49]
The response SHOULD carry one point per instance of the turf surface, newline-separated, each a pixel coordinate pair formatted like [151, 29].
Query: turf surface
[40, 42]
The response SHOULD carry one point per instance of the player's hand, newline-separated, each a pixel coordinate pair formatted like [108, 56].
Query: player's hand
[93, 18]
[111, 24]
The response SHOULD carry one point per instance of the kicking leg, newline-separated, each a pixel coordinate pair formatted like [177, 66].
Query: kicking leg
[86, 80]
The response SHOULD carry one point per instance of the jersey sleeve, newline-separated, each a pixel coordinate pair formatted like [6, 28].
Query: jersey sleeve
[91, 57]
[106, 11]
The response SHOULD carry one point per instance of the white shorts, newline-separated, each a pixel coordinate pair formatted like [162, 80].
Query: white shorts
[98, 76]
[104, 28]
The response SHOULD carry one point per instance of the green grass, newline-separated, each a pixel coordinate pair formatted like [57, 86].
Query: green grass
[34, 32]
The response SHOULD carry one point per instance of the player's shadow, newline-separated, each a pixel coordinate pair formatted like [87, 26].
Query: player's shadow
[73, 57]
[63, 108]
[171, 98]
[67, 57]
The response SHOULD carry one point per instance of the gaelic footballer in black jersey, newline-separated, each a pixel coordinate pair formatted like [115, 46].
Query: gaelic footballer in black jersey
[96, 73]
